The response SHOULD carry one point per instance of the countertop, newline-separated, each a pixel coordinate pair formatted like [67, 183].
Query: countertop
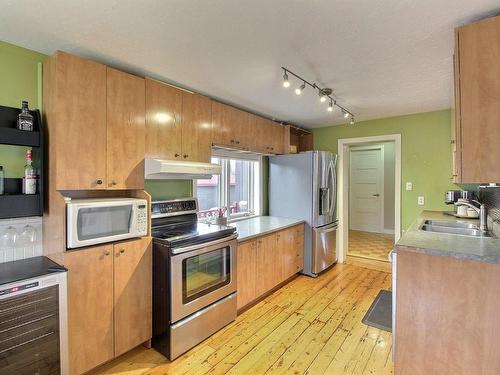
[258, 226]
[485, 249]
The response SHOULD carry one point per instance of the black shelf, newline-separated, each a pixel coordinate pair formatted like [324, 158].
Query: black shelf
[13, 203]
[16, 137]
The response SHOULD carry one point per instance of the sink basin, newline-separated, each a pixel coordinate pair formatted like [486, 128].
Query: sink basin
[451, 224]
[453, 227]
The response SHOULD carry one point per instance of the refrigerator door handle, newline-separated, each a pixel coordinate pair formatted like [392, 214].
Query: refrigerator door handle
[333, 189]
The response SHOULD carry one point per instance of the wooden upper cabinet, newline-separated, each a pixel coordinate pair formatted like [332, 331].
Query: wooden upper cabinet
[477, 85]
[125, 130]
[90, 307]
[163, 121]
[132, 293]
[196, 127]
[231, 126]
[75, 110]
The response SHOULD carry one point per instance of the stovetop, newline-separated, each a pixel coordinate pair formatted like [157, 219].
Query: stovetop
[176, 225]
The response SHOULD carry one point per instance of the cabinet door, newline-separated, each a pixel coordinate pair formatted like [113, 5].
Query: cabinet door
[163, 121]
[247, 255]
[287, 251]
[260, 135]
[196, 127]
[268, 267]
[132, 293]
[90, 307]
[299, 247]
[223, 128]
[278, 135]
[479, 81]
[76, 89]
[126, 130]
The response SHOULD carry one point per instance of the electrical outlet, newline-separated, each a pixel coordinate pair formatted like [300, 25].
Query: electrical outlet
[420, 200]
[409, 186]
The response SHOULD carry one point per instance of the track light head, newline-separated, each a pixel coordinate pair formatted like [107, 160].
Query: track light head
[352, 120]
[286, 82]
[346, 114]
[330, 107]
[299, 90]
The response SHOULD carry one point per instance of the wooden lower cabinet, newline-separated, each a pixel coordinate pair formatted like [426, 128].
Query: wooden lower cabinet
[247, 262]
[90, 307]
[267, 261]
[132, 293]
[109, 301]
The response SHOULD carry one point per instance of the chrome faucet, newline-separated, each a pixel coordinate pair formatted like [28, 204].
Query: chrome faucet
[483, 218]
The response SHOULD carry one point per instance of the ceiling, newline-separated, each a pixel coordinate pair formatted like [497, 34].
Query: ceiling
[381, 57]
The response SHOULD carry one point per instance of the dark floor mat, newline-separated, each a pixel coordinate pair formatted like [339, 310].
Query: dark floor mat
[379, 315]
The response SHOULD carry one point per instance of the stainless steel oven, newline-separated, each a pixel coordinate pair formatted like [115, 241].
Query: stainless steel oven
[194, 276]
[201, 275]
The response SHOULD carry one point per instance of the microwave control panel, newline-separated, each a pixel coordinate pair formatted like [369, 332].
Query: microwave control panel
[142, 219]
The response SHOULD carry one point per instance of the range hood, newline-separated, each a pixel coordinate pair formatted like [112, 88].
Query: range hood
[157, 169]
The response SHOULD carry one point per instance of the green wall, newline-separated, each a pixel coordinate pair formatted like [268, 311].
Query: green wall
[20, 79]
[425, 155]
[169, 189]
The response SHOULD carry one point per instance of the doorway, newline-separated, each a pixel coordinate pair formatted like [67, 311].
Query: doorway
[369, 197]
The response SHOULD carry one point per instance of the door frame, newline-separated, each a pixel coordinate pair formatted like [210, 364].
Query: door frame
[343, 187]
[381, 178]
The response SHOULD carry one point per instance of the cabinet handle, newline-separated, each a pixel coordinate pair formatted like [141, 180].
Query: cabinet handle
[106, 253]
[237, 142]
[113, 183]
[177, 155]
[185, 156]
[122, 251]
[232, 140]
[272, 148]
[98, 181]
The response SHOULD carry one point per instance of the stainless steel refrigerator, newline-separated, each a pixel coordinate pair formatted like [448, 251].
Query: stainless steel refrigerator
[304, 186]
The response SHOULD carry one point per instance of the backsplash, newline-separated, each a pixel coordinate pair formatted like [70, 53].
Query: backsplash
[491, 198]
[20, 238]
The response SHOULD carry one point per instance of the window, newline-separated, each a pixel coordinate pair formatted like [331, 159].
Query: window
[236, 193]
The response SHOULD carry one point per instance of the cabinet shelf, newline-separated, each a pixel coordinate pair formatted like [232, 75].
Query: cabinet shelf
[16, 137]
[14, 204]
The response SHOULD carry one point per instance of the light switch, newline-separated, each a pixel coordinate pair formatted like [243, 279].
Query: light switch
[420, 200]
[409, 186]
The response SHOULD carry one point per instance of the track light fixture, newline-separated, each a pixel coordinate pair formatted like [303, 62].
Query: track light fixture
[299, 90]
[286, 82]
[324, 93]
[322, 96]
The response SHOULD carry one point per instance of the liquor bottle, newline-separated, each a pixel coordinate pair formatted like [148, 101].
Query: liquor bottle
[25, 119]
[30, 177]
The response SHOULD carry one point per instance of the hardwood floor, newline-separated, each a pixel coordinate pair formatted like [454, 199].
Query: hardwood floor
[310, 326]
[376, 246]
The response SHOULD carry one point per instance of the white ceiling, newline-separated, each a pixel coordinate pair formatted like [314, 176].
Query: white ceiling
[381, 57]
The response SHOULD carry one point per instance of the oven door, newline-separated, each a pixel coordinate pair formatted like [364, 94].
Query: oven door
[201, 275]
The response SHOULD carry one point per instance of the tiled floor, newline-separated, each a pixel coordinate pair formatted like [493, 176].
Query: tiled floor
[370, 245]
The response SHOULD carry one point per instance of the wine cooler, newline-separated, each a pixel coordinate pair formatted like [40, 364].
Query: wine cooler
[33, 324]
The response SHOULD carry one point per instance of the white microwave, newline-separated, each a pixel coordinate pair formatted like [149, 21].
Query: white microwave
[95, 221]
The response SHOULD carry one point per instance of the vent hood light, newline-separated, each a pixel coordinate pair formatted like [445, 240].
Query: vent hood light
[157, 169]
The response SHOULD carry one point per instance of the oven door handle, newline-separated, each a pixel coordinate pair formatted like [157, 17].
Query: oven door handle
[185, 249]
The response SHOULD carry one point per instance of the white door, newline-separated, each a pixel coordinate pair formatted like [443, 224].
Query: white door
[366, 189]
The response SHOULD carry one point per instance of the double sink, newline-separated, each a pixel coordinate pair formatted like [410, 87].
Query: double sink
[454, 227]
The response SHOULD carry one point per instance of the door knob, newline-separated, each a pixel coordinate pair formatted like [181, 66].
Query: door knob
[376, 195]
